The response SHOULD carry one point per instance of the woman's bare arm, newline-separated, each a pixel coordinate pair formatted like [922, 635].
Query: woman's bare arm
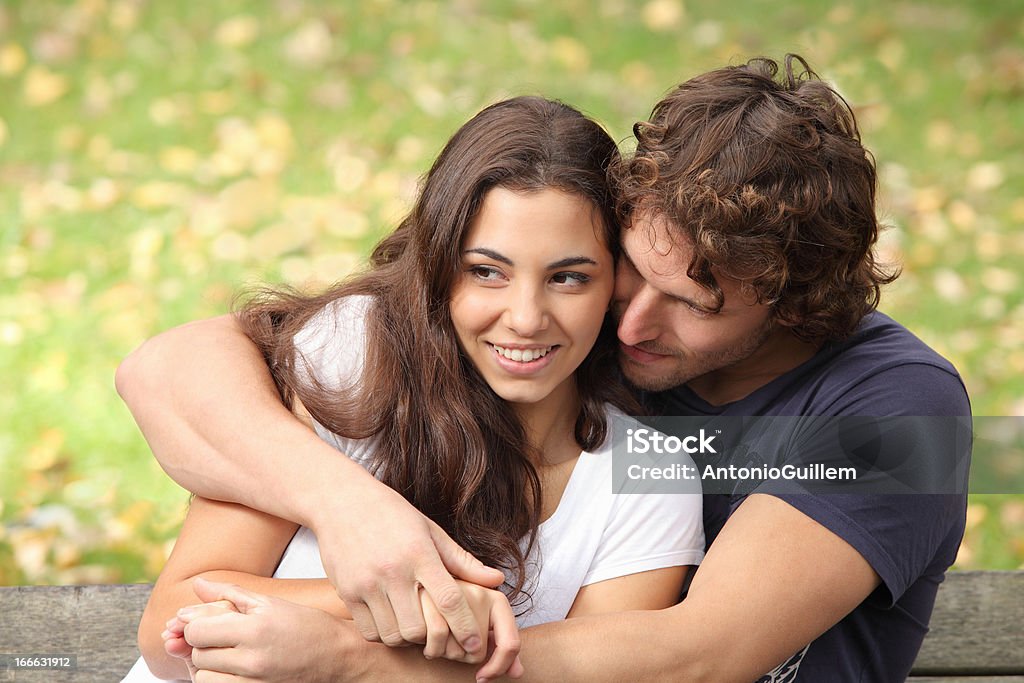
[224, 542]
[206, 403]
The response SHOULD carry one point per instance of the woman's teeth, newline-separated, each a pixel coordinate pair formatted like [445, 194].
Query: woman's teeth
[522, 355]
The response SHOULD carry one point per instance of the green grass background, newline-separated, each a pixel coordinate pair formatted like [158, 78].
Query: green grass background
[157, 156]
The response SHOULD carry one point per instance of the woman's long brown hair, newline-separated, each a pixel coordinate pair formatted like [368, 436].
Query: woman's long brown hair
[443, 438]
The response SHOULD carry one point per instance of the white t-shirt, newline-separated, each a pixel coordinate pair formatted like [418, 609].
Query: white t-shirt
[595, 533]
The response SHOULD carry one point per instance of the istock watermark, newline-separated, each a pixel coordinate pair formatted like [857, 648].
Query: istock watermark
[645, 440]
[812, 454]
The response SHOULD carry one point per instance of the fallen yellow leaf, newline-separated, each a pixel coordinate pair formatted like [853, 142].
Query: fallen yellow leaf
[985, 176]
[309, 46]
[43, 86]
[158, 194]
[571, 53]
[237, 31]
[663, 15]
[12, 59]
[179, 160]
[44, 452]
[124, 15]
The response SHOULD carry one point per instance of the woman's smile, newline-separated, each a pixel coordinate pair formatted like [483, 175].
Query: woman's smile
[524, 361]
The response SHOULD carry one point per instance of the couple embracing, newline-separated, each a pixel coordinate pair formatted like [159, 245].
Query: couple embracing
[420, 456]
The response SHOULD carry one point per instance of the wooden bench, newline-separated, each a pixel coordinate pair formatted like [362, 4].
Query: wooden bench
[977, 630]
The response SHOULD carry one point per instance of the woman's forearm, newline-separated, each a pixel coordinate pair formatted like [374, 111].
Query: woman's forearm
[206, 403]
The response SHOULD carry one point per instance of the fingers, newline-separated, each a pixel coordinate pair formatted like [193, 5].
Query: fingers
[461, 563]
[175, 645]
[453, 606]
[212, 591]
[193, 672]
[192, 612]
[223, 630]
[412, 627]
[437, 628]
[208, 591]
[222, 659]
[399, 621]
[516, 670]
[506, 641]
[362, 617]
[175, 626]
[174, 639]
[375, 618]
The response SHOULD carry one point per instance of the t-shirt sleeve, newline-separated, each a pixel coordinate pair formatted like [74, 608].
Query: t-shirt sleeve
[649, 531]
[331, 346]
[902, 536]
[330, 349]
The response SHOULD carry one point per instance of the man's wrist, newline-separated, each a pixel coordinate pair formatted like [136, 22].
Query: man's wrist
[330, 492]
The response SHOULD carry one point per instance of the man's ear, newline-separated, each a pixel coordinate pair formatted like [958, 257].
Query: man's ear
[782, 319]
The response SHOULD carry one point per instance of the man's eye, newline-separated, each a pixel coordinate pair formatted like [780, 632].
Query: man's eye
[697, 310]
[572, 279]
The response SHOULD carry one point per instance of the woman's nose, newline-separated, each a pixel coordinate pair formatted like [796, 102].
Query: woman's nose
[527, 311]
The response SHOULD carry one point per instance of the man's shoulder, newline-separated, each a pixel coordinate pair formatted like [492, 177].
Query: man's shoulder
[884, 369]
[878, 343]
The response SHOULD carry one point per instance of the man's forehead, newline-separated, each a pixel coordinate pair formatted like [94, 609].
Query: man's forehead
[649, 236]
[662, 261]
[662, 255]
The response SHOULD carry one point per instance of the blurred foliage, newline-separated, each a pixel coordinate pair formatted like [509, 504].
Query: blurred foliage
[155, 157]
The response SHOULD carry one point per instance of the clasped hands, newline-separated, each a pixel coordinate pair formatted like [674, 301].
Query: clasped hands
[239, 634]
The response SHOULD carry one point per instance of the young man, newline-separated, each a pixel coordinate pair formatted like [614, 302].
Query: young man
[747, 289]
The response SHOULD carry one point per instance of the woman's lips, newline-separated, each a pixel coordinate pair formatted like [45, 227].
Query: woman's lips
[518, 367]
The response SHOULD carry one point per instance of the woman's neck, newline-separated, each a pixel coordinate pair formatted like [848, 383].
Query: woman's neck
[550, 426]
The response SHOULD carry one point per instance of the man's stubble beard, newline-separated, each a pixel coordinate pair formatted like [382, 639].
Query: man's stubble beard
[689, 369]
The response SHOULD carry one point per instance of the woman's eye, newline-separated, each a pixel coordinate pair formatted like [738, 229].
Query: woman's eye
[485, 273]
[570, 278]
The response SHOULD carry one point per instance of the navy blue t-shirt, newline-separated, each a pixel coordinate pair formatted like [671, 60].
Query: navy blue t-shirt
[909, 540]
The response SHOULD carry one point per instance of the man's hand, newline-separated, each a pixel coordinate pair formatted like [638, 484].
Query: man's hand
[494, 616]
[380, 562]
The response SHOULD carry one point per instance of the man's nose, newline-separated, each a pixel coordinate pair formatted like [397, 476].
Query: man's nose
[638, 316]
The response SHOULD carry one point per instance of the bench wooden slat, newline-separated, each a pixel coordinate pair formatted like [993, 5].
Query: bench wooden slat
[977, 627]
[98, 624]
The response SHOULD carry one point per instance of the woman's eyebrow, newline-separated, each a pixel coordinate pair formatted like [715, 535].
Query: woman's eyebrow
[572, 261]
[491, 254]
[560, 263]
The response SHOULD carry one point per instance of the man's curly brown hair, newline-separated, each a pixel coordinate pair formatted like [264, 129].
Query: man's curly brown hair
[769, 182]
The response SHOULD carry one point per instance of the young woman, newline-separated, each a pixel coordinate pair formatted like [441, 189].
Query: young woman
[471, 368]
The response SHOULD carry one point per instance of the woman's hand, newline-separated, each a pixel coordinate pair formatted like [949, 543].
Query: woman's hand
[174, 634]
[494, 617]
[255, 638]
